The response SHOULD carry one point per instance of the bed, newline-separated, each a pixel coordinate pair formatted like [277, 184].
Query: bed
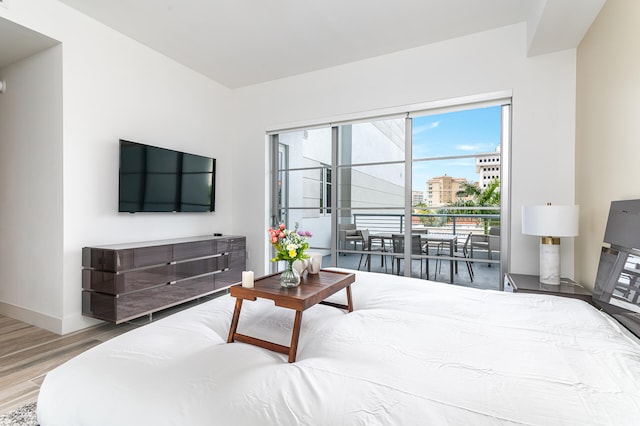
[411, 352]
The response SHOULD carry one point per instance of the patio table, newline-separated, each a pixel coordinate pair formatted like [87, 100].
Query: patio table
[449, 239]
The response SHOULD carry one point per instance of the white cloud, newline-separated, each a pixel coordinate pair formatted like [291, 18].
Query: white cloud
[425, 127]
[465, 147]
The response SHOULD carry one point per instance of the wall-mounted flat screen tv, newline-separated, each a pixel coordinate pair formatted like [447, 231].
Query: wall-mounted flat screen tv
[154, 179]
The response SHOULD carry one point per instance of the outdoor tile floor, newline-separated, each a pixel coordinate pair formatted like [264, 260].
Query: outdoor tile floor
[485, 276]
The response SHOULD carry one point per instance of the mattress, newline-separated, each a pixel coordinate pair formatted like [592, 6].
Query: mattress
[412, 352]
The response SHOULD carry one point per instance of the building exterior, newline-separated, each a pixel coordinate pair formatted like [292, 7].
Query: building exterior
[417, 197]
[442, 190]
[488, 167]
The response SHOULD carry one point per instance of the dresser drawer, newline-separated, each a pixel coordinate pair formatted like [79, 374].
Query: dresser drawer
[199, 267]
[127, 282]
[193, 250]
[149, 256]
[227, 278]
[231, 244]
[124, 307]
[123, 260]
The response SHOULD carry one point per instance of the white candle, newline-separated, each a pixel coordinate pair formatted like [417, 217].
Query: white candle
[247, 279]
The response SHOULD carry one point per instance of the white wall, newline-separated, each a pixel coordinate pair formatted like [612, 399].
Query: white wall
[607, 131]
[114, 88]
[543, 90]
[31, 211]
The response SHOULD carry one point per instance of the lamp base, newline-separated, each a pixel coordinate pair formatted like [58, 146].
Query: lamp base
[550, 260]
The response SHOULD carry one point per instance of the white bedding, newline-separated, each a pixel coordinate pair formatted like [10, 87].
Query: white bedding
[412, 352]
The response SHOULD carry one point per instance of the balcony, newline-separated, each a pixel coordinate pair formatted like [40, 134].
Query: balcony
[478, 255]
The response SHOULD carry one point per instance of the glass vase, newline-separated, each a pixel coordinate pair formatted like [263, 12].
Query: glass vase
[289, 277]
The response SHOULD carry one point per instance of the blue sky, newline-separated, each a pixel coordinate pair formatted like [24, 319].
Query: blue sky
[450, 134]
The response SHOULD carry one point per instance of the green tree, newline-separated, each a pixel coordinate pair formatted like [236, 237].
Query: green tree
[471, 196]
[421, 209]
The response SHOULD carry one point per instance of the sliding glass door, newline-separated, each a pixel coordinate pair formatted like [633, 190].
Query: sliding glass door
[431, 177]
[371, 190]
[456, 181]
[302, 184]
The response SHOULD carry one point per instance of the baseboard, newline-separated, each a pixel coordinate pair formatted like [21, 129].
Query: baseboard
[32, 317]
[54, 325]
[78, 322]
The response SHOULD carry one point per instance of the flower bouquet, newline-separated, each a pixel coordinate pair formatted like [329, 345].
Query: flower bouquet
[290, 245]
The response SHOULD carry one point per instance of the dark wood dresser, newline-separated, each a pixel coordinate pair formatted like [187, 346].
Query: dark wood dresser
[125, 281]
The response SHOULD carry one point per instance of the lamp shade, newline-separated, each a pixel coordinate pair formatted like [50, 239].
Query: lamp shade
[550, 220]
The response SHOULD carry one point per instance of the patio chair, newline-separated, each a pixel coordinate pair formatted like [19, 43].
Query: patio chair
[431, 245]
[398, 250]
[348, 234]
[368, 246]
[461, 252]
[488, 242]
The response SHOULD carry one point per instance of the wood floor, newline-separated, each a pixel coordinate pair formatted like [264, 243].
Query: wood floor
[27, 353]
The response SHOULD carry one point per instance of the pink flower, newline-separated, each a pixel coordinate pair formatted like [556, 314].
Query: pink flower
[282, 226]
[281, 235]
[274, 239]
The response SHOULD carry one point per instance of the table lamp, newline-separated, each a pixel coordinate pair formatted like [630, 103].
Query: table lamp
[550, 222]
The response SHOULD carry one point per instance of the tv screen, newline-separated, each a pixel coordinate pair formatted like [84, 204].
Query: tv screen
[154, 179]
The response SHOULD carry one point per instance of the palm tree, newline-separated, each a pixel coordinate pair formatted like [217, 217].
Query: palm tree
[471, 196]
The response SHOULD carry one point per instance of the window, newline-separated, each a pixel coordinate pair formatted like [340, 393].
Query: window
[366, 175]
[325, 190]
[302, 183]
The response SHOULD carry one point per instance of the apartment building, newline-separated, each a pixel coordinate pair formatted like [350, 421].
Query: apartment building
[488, 167]
[442, 190]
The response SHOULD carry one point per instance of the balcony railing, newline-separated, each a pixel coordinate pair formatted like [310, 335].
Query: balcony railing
[451, 223]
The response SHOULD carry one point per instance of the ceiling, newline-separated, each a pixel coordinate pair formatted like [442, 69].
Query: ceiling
[243, 42]
[18, 42]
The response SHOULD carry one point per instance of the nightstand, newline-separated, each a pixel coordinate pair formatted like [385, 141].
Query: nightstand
[520, 283]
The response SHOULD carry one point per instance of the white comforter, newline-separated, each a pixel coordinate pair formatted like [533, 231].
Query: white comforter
[413, 352]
